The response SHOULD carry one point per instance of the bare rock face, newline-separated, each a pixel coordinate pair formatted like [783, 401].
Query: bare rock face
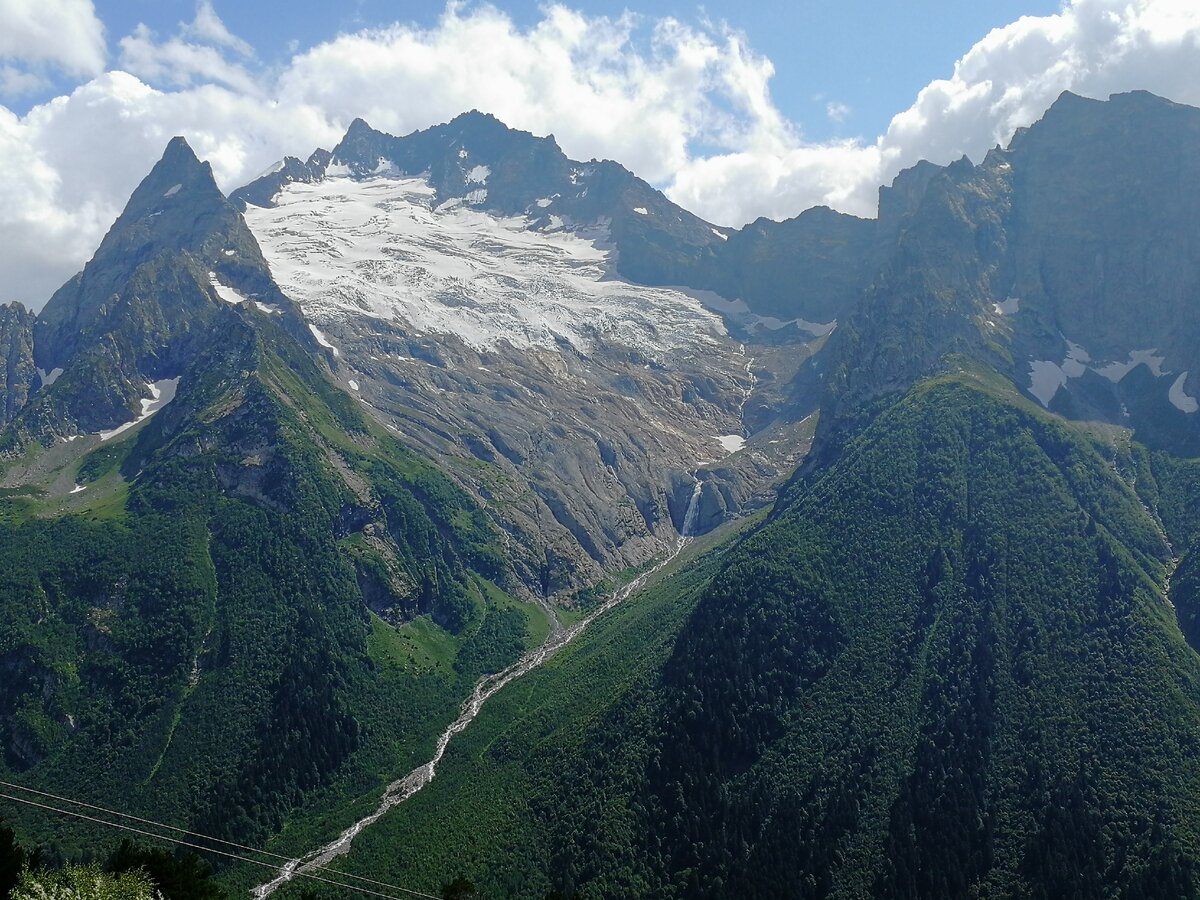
[1069, 261]
[18, 374]
[574, 347]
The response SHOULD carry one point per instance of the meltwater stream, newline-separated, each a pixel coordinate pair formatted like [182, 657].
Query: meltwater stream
[399, 791]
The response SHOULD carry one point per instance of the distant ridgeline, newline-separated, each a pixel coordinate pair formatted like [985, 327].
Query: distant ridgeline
[281, 475]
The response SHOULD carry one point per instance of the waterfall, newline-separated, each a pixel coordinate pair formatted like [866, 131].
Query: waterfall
[693, 511]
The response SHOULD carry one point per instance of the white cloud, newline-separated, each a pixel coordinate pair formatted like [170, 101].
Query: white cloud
[15, 81]
[64, 34]
[685, 106]
[208, 27]
[837, 112]
[181, 63]
[581, 78]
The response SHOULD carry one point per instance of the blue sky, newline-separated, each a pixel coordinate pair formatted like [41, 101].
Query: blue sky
[734, 109]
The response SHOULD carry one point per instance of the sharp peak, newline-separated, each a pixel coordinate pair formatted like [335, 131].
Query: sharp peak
[178, 151]
[179, 142]
[178, 168]
[360, 125]
[179, 162]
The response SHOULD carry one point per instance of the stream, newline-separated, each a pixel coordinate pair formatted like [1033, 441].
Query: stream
[399, 791]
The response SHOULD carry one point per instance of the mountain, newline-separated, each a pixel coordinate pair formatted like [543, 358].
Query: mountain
[138, 313]
[502, 308]
[959, 656]
[906, 508]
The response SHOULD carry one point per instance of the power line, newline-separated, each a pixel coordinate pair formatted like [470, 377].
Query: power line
[240, 858]
[113, 812]
[184, 831]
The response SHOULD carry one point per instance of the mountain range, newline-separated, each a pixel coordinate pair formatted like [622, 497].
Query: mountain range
[903, 509]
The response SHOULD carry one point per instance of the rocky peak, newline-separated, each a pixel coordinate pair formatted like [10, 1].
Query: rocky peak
[362, 147]
[903, 195]
[1067, 260]
[263, 190]
[136, 313]
[176, 196]
[474, 157]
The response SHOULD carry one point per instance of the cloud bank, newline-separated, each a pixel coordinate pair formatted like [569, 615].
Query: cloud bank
[686, 106]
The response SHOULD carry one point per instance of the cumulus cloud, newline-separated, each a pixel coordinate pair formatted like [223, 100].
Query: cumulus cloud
[180, 63]
[687, 106]
[207, 26]
[582, 78]
[63, 34]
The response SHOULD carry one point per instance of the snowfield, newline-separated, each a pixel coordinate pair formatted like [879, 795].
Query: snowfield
[344, 249]
[161, 393]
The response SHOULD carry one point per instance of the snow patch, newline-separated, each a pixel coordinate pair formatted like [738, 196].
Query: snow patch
[476, 197]
[384, 167]
[161, 393]
[78, 488]
[224, 291]
[172, 190]
[269, 310]
[48, 378]
[641, 210]
[353, 384]
[462, 153]
[1045, 378]
[722, 235]
[1009, 307]
[229, 252]
[271, 170]
[1076, 362]
[739, 311]
[543, 202]
[346, 249]
[1114, 372]
[731, 442]
[320, 336]
[478, 175]
[1179, 399]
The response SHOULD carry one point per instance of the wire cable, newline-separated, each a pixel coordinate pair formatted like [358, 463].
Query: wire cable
[297, 873]
[185, 831]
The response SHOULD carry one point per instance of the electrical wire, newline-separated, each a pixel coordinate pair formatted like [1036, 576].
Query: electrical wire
[185, 831]
[236, 856]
